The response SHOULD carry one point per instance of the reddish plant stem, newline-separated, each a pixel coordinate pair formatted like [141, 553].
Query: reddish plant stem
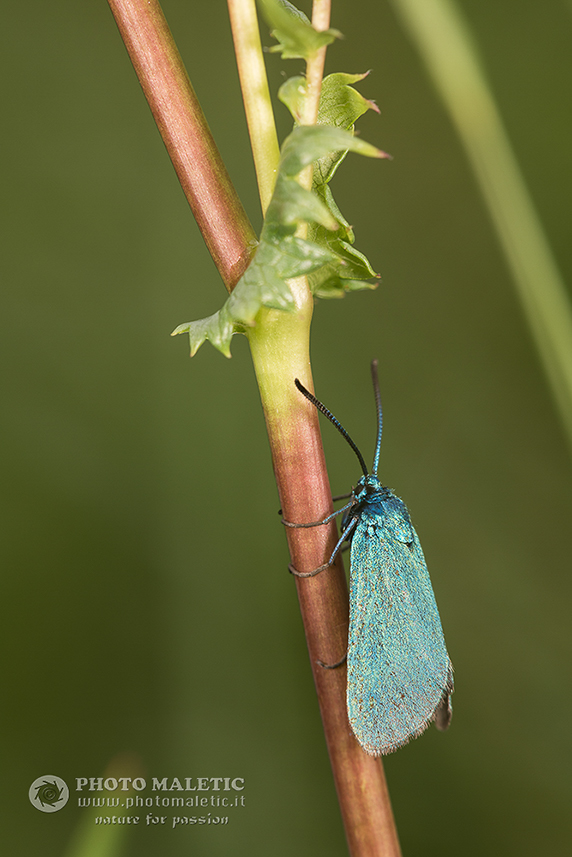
[218, 211]
[292, 422]
[305, 495]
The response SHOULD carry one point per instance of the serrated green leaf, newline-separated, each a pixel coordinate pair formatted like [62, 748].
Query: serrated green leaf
[323, 190]
[292, 203]
[281, 255]
[293, 93]
[350, 270]
[337, 287]
[217, 328]
[308, 143]
[340, 104]
[356, 262]
[296, 37]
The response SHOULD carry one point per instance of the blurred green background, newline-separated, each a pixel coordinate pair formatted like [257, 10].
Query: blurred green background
[146, 607]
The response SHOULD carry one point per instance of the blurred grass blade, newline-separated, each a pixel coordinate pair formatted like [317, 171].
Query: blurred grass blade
[101, 840]
[102, 830]
[444, 41]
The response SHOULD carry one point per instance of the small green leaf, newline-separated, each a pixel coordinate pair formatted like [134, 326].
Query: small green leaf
[296, 37]
[340, 104]
[293, 93]
[308, 143]
[217, 328]
[349, 272]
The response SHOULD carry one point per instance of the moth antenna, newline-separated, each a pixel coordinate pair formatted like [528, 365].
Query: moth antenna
[323, 409]
[375, 380]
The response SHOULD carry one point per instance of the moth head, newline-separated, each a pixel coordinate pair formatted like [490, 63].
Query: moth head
[366, 486]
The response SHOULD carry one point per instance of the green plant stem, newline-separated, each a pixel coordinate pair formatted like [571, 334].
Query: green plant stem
[445, 43]
[218, 211]
[314, 75]
[256, 95]
[315, 67]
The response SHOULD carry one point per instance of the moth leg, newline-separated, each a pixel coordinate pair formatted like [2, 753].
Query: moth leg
[351, 526]
[317, 523]
[334, 500]
[333, 666]
[316, 571]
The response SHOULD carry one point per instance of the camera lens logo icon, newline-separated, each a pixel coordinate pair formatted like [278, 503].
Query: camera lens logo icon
[49, 793]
